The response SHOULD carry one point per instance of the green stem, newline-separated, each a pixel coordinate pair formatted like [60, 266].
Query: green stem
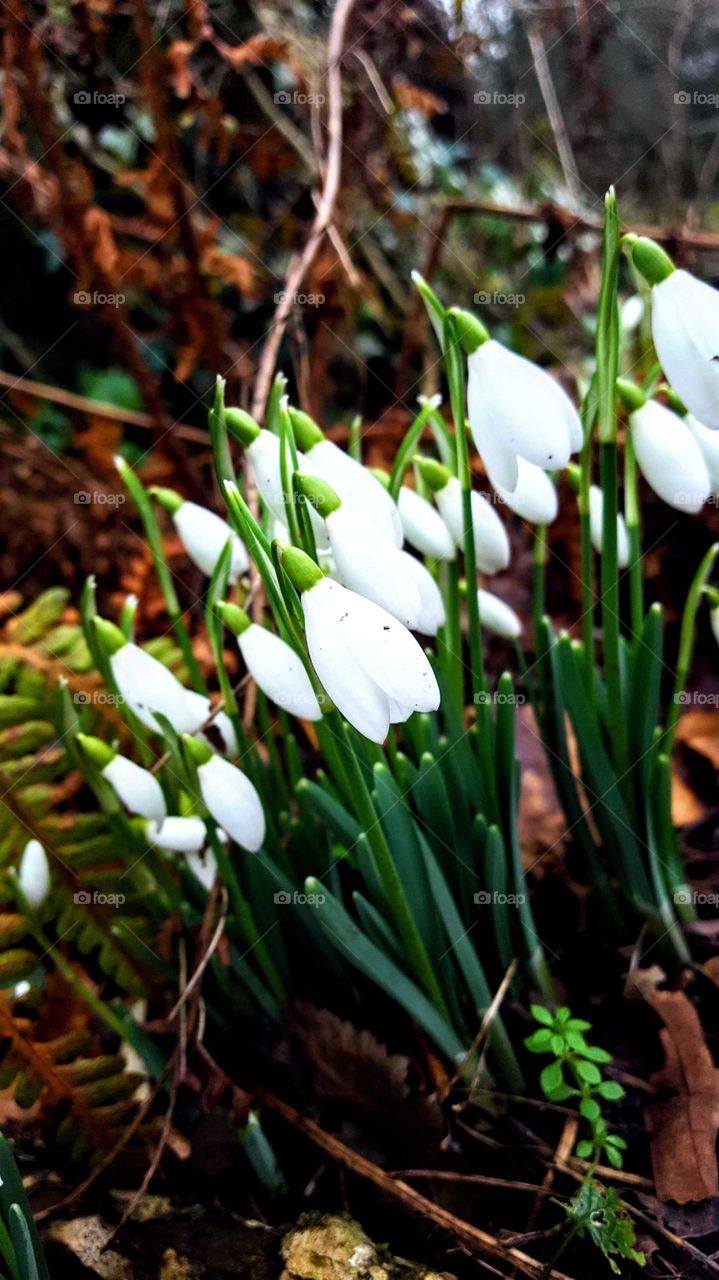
[452, 636]
[632, 518]
[244, 916]
[686, 645]
[405, 453]
[610, 607]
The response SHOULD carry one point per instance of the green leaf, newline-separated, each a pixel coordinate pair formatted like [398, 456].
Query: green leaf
[551, 1077]
[586, 1071]
[584, 1149]
[610, 1090]
[595, 1054]
[539, 1041]
[597, 1212]
[540, 1014]
[590, 1109]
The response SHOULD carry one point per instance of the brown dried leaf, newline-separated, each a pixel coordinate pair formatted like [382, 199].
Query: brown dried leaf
[412, 98]
[683, 1121]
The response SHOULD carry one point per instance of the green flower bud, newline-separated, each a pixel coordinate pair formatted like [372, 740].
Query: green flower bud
[307, 433]
[433, 473]
[96, 750]
[111, 637]
[199, 752]
[650, 260]
[318, 494]
[631, 396]
[234, 617]
[301, 570]
[470, 331]
[241, 426]
[167, 498]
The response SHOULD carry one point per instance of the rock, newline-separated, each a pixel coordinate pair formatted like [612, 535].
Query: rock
[335, 1248]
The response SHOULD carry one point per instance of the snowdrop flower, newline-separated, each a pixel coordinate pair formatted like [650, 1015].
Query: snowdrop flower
[365, 560]
[354, 485]
[669, 457]
[203, 866]
[137, 788]
[273, 665]
[203, 534]
[34, 874]
[685, 328]
[596, 527]
[708, 442]
[534, 497]
[145, 684]
[229, 795]
[372, 668]
[517, 410]
[263, 450]
[491, 544]
[424, 527]
[497, 617]
[177, 835]
[432, 615]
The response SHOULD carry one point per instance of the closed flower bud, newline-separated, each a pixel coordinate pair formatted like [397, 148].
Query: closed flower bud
[145, 684]
[177, 835]
[137, 788]
[669, 457]
[517, 410]
[354, 485]
[264, 454]
[230, 797]
[491, 544]
[273, 665]
[371, 666]
[596, 527]
[685, 328]
[203, 534]
[497, 616]
[34, 874]
[423, 527]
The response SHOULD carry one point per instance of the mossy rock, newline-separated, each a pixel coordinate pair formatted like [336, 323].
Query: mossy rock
[335, 1248]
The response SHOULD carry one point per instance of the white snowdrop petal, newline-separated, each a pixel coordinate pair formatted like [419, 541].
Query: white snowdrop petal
[391, 655]
[204, 535]
[137, 788]
[177, 835]
[279, 672]
[423, 526]
[523, 406]
[714, 619]
[233, 802]
[534, 497]
[355, 487]
[328, 609]
[708, 442]
[34, 874]
[204, 867]
[491, 544]
[596, 527]
[264, 454]
[432, 615]
[685, 328]
[369, 564]
[669, 457]
[497, 616]
[499, 459]
[147, 686]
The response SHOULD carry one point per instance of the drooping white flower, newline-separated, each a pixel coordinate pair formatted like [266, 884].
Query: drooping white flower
[137, 788]
[177, 835]
[491, 544]
[34, 874]
[146, 685]
[669, 457]
[423, 526]
[497, 616]
[534, 498]
[516, 409]
[274, 665]
[708, 442]
[233, 801]
[685, 328]
[432, 615]
[203, 534]
[354, 485]
[372, 668]
[596, 527]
